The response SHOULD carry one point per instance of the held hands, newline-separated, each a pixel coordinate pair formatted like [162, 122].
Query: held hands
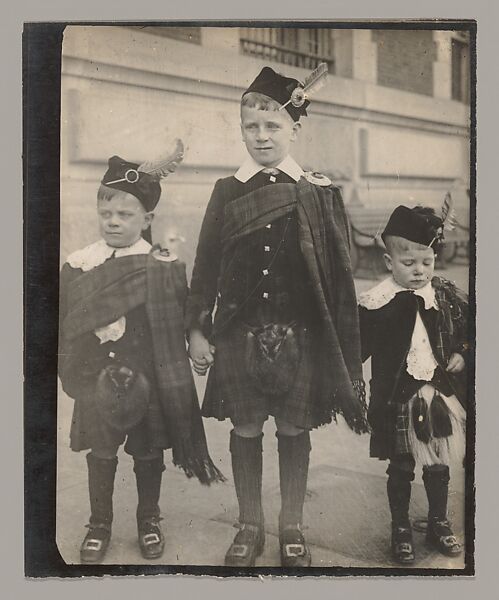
[201, 352]
[456, 363]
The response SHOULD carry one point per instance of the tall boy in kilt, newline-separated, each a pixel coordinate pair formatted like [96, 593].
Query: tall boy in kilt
[273, 254]
[123, 359]
[414, 326]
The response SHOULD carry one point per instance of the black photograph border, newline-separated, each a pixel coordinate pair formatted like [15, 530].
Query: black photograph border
[42, 46]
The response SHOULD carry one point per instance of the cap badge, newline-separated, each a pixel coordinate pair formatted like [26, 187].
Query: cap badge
[312, 84]
[298, 97]
[156, 169]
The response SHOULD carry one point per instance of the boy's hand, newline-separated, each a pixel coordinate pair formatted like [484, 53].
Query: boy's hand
[456, 363]
[201, 352]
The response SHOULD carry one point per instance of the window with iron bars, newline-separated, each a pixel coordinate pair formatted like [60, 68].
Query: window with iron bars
[290, 46]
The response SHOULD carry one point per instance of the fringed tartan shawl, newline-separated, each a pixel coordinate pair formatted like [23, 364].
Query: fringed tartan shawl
[325, 245]
[102, 295]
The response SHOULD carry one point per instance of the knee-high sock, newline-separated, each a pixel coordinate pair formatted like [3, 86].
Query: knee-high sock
[436, 483]
[398, 488]
[294, 454]
[101, 473]
[246, 456]
[148, 474]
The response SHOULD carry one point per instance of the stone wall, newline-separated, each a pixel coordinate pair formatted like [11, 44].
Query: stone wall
[130, 93]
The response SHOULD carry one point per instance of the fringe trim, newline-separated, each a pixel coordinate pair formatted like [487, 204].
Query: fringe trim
[356, 417]
[196, 463]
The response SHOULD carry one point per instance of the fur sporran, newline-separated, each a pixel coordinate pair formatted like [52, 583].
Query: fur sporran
[436, 430]
[122, 397]
[272, 357]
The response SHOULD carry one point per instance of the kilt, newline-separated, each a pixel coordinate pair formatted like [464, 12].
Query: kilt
[90, 431]
[438, 450]
[231, 392]
[402, 423]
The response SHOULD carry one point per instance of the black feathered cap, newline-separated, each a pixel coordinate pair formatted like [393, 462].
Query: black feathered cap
[418, 224]
[124, 176]
[279, 88]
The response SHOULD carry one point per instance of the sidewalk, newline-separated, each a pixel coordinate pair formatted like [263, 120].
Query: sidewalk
[346, 511]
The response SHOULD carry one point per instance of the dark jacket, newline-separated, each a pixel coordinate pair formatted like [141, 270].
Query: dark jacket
[286, 286]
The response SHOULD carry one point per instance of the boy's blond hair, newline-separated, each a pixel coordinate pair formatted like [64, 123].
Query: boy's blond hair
[259, 101]
[394, 244]
[108, 193]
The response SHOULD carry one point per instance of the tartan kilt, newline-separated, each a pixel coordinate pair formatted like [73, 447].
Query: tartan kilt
[393, 442]
[231, 393]
[389, 435]
[90, 431]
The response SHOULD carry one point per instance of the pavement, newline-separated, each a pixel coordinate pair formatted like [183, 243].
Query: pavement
[346, 512]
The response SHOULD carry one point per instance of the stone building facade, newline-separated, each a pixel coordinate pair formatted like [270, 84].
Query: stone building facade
[391, 126]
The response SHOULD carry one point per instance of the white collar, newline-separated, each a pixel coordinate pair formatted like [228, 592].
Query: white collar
[250, 168]
[385, 291]
[97, 253]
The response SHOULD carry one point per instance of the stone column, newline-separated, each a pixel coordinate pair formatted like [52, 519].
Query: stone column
[364, 56]
[442, 67]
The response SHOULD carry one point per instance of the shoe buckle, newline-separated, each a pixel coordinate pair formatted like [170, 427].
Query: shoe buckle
[401, 530]
[92, 544]
[239, 550]
[449, 541]
[294, 549]
[150, 538]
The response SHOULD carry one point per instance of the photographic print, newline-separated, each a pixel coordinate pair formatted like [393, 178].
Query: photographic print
[265, 339]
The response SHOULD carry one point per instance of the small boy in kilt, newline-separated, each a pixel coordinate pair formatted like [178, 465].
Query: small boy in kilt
[123, 358]
[414, 327]
[273, 253]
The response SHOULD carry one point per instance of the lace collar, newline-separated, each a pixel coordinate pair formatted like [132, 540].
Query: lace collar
[385, 291]
[97, 253]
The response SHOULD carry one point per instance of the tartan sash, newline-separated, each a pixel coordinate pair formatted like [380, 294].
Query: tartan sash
[325, 245]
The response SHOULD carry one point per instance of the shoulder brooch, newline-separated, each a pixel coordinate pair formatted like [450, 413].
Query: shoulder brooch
[164, 255]
[317, 178]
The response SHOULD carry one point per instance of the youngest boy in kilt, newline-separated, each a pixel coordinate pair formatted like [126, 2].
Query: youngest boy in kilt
[273, 253]
[414, 327]
[123, 358]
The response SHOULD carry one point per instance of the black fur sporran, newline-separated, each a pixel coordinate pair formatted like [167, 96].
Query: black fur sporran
[272, 357]
[122, 397]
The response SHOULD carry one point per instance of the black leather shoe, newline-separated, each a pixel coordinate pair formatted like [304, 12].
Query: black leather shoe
[95, 544]
[151, 539]
[247, 545]
[294, 550]
[441, 537]
[402, 545]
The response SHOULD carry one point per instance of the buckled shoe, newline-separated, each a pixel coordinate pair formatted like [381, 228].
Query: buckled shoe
[440, 536]
[95, 544]
[151, 538]
[402, 545]
[294, 550]
[247, 546]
